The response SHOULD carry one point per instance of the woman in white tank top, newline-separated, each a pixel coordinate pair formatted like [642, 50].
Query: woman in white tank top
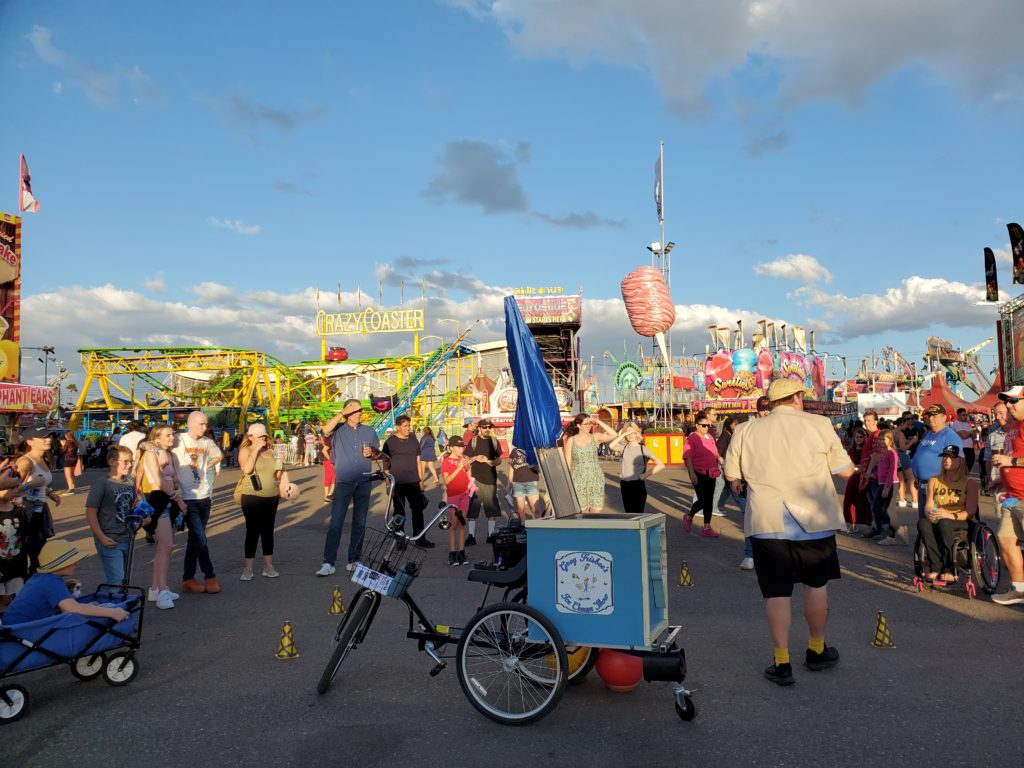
[35, 474]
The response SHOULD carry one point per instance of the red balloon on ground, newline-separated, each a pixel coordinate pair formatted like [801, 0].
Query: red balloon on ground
[620, 671]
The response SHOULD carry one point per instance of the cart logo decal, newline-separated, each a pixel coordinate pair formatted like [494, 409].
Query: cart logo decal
[584, 582]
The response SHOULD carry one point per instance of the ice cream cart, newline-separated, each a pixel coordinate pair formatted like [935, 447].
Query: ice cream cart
[602, 580]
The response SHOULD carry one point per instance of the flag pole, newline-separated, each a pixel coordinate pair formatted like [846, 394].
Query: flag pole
[666, 263]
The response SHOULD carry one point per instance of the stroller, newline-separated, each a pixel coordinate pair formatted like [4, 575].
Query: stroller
[89, 645]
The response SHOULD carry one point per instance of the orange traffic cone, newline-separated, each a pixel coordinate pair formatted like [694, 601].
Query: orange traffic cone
[337, 602]
[286, 649]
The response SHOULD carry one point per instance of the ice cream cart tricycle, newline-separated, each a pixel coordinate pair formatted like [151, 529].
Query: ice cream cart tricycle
[585, 583]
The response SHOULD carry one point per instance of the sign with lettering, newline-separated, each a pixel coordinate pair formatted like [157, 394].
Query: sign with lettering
[26, 398]
[369, 320]
[584, 582]
[550, 290]
[550, 310]
[10, 296]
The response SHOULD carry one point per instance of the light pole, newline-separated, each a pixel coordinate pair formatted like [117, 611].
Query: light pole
[47, 352]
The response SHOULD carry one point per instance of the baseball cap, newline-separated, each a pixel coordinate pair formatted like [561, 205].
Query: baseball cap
[456, 441]
[951, 450]
[935, 410]
[1012, 393]
[763, 404]
[780, 389]
[485, 423]
[256, 430]
[33, 433]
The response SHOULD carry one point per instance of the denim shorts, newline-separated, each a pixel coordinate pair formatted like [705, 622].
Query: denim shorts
[904, 460]
[525, 489]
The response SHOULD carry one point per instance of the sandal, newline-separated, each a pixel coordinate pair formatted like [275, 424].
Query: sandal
[949, 578]
[933, 576]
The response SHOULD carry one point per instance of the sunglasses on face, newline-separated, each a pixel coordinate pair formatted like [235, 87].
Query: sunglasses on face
[704, 425]
[1011, 400]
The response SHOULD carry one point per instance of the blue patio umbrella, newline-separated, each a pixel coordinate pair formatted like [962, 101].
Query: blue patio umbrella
[538, 422]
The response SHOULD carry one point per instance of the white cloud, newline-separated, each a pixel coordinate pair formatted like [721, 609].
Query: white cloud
[101, 86]
[212, 292]
[812, 50]
[796, 266]
[917, 303]
[155, 284]
[236, 226]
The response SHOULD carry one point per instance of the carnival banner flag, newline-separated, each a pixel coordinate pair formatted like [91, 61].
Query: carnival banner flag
[26, 202]
[1017, 251]
[538, 422]
[658, 189]
[991, 278]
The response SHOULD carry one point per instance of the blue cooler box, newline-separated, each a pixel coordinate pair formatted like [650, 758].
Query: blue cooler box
[602, 580]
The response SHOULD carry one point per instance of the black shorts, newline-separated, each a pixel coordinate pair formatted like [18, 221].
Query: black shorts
[781, 563]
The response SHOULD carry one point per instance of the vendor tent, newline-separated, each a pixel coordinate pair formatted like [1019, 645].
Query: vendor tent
[941, 394]
[990, 398]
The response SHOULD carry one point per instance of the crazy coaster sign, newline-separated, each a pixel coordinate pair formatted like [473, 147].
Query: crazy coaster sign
[369, 320]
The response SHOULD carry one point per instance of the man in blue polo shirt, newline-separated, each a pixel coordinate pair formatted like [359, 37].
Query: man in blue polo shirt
[927, 462]
[353, 445]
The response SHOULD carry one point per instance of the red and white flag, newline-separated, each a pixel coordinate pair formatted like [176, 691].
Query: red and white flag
[26, 201]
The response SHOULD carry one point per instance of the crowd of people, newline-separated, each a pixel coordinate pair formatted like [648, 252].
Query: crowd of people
[778, 467]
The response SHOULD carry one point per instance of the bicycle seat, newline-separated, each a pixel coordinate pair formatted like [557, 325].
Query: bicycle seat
[499, 578]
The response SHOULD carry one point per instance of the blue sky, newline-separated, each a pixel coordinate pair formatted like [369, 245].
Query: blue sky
[202, 167]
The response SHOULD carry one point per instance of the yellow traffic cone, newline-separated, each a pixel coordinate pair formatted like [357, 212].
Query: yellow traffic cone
[883, 635]
[286, 649]
[337, 602]
[685, 580]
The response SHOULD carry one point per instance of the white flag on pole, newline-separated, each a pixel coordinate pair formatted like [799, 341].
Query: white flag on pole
[657, 189]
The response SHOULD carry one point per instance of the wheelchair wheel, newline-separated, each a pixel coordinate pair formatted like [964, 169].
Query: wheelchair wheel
[120, 669]
[921, 563]
[88, 667]
[351, 632]
[13, 703]
[512, 664]
[986, 562]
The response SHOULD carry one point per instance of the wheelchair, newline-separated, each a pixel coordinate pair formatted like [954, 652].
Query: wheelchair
[976, 560]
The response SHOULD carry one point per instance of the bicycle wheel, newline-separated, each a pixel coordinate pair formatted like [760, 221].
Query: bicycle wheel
[512, 664]
[351, 632]
[986, 563]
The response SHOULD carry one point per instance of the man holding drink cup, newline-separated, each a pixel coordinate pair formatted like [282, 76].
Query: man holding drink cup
[353, 446]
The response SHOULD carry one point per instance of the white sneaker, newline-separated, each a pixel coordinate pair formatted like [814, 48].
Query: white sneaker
[270, 573]
[747, 564]
[718, 513]
[153, 595]
[174, 595]
[350, 567]
[902, 504]
[246, 575]
[165, 601]
[326, 570]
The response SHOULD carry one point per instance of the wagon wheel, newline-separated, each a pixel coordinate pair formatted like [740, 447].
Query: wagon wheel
[88, 667]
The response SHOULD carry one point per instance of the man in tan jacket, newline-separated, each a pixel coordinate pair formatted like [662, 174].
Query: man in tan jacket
[788, 461]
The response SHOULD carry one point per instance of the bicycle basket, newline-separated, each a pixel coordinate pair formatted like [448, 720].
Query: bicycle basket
[388, 564]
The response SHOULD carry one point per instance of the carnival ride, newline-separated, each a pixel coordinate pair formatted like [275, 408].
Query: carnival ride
[960, 366]
[165, 377]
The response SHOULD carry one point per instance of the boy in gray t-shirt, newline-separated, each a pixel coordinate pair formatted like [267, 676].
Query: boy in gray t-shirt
[107, 508]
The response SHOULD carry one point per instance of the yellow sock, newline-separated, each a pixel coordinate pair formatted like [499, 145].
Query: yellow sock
[781, 656]
[816, 644]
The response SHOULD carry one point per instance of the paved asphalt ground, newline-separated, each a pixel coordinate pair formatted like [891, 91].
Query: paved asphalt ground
[210, 692]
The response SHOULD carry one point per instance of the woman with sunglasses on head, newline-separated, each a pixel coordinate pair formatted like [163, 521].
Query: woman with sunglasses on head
[633, 470]
[704, 464]
[160, 484]
[580, 451]
[951, 505]
[35, 470]
[260, 498]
